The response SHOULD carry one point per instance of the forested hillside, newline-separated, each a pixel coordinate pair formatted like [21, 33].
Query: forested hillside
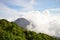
[11, 31]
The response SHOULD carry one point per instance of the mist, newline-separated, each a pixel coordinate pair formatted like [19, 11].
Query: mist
[41, 22]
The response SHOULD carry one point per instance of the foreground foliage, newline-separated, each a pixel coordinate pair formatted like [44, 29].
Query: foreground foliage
[11, 31]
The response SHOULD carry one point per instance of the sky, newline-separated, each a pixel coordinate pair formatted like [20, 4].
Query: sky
[24, 5]
[12, 8]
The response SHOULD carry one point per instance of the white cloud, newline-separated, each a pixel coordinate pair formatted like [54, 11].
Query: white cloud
[8, 13]
[26, 5]
[43, 22]
[54, 9]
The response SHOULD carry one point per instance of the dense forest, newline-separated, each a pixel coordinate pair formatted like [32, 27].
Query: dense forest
[11, 31]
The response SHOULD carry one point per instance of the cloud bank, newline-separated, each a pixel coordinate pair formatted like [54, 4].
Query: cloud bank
[43, 22]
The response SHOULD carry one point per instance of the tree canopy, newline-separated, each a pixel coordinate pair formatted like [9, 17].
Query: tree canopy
[11, 31]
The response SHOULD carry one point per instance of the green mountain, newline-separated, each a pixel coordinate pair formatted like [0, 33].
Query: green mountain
[11, 31]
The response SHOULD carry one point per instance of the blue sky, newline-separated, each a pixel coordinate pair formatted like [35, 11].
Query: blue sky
[46, 4]
[10, 8]
[41, 5]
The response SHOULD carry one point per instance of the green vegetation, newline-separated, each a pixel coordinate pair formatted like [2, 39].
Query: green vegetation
[11, 31]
